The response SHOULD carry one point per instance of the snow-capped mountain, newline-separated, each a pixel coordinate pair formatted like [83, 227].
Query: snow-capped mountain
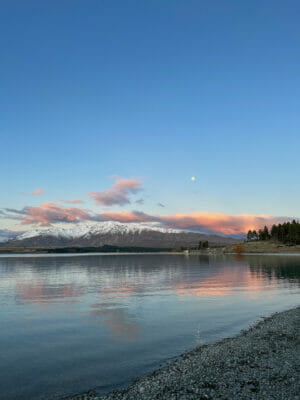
[95, 228]
[97, 234]
[5, 235]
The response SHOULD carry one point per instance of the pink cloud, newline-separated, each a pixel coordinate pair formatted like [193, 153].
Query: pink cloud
[48, 213]
[72, 201]
[118, 194]
[38, 192]
[217, 222]
[226, 224]
[126, 216]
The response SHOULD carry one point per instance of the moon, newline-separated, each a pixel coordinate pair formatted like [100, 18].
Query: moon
[193, 178]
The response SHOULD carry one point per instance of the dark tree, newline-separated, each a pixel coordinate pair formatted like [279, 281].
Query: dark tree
[205, 245]
[266, 233]
[274, 232]
[288, 232]
[255, 235]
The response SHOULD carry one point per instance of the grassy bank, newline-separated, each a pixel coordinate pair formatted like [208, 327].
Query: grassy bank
[265, 246]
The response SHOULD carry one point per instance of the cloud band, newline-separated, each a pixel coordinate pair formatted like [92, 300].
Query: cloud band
[50, 213]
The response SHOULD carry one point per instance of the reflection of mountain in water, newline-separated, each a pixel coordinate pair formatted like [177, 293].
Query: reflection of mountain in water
[112, 317]
[276, 267]
[117, 282]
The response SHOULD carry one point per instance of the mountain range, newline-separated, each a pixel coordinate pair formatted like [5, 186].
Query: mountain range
[113, 233]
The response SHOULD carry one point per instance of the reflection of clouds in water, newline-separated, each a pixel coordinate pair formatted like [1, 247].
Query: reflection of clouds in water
[43, 294]
[264, 295]
[196, 292]
[115, 316]
[119, 322]
[224, 282]
[119, 292]
[123, 278]
[105, 272]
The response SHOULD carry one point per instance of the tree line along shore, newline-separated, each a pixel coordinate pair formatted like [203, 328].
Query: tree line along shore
[288, 233]
[281, 238]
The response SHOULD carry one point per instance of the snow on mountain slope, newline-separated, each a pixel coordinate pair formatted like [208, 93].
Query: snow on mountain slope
[5, 235]
[95, 228]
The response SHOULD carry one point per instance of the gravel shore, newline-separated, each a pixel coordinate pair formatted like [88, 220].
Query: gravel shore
[261, 363]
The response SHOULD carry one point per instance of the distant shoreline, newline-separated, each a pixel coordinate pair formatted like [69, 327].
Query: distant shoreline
[255, 247]
[83, 250]
[261, 362]
[3, 255]
[265, 246]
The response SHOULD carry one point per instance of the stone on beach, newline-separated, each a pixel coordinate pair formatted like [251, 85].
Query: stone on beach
[260, 363]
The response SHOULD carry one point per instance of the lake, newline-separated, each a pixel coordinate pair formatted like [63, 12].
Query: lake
[73, 323]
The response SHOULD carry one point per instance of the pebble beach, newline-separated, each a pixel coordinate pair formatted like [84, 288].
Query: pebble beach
[260, 363]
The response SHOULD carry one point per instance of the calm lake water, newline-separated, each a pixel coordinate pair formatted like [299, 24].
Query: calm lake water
[71, 323]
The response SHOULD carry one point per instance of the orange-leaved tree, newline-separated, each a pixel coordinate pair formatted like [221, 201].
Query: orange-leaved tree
[238, 248]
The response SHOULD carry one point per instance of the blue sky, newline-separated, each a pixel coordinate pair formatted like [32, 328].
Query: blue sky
[155, 91]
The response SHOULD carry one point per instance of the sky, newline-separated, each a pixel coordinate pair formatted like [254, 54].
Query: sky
[183, 112]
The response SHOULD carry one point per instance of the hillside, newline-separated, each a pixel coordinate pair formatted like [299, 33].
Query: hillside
[114, 234]
[265, 246]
